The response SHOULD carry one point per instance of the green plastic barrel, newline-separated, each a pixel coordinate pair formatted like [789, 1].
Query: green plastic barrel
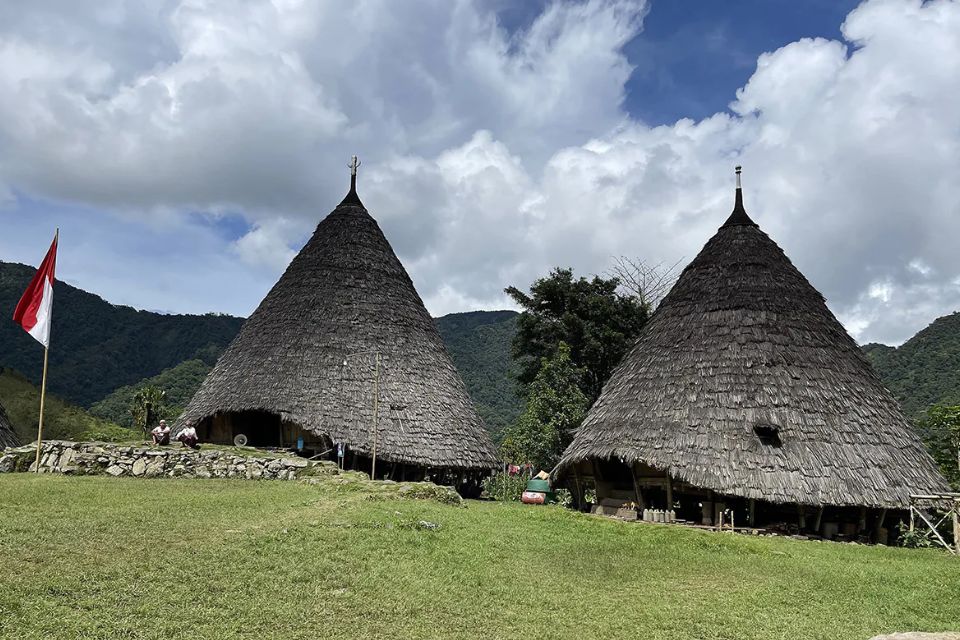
[543, 486]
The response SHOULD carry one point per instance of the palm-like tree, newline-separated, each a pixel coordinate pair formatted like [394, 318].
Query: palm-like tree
[149, 406]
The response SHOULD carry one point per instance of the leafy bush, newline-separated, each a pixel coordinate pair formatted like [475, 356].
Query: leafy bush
[504, 487]
[564, 497]
[915, 539]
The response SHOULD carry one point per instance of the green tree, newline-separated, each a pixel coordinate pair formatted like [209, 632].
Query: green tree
[940, 430]
[149, 407]
[555, 408]
[597, 322]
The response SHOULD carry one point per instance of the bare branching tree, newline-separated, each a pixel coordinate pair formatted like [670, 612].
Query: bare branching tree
[648, 283]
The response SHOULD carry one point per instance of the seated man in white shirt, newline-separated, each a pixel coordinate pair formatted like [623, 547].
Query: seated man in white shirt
[188, 437]
[161, 433]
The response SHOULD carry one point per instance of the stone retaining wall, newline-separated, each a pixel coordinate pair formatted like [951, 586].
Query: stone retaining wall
[58, 456]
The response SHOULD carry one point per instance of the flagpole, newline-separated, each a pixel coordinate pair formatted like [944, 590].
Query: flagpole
[43, 397]
[43, 383]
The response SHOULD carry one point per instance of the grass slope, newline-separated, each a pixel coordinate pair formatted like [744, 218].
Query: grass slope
[62, 420]
[129, 558]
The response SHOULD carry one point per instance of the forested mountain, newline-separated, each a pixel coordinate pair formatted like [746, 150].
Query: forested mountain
[479, 343]
[98, 347]
[925, 370]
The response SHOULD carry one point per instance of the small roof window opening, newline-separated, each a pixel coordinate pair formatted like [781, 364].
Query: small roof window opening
[768, 435]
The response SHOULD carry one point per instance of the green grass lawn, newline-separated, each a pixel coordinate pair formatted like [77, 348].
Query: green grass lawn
[130, 558]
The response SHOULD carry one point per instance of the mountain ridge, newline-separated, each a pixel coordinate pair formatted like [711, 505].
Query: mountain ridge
[924, 370]
[97, 346]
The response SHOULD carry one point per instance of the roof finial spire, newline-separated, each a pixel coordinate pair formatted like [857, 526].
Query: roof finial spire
[739, 215]
[354, 164]
[352, 197]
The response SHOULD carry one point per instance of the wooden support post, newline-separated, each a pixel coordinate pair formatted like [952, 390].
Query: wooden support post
[597, 477]
[913, 519]
[801, 517]
[956, 525]
[597, 481]
[669, 492]
[862, 523]
[816, 523]
[752, 514]
[577, 490]
[881, 516]
[636, 488]
[376, 416]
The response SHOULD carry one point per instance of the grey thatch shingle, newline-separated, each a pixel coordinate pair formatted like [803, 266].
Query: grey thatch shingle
[8, 438]
[347, 293]
[743, 340]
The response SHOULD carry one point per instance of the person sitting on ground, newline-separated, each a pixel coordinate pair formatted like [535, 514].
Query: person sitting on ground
[161, 434]
[188, 437]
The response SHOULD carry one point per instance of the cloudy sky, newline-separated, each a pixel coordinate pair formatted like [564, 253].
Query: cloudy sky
[188, 148]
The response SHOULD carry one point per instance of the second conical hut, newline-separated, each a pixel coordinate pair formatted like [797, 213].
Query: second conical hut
[744, 393]
[342, 351]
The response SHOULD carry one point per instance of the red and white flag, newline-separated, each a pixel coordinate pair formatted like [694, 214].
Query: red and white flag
[35, 309]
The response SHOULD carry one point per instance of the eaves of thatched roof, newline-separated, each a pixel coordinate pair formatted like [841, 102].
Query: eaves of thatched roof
[743, 382]
[8, 438]
[308, 354]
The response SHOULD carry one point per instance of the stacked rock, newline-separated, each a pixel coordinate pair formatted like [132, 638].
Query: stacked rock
[79, 458]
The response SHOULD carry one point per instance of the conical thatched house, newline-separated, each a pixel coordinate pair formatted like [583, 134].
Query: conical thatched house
[744, 391]
[8, 438]
[342, 351]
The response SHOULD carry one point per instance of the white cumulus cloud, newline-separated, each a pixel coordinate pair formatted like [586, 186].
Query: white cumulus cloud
[490, 156]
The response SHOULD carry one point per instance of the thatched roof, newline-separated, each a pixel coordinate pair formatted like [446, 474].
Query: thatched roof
[743, 382]
[8, 438]
[307, 354]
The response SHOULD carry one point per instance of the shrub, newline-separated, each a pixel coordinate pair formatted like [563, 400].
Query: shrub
[504, 487]
[915, 539]
[564, 497]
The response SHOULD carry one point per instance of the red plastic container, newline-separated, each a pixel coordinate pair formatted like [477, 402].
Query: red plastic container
[533, 497]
